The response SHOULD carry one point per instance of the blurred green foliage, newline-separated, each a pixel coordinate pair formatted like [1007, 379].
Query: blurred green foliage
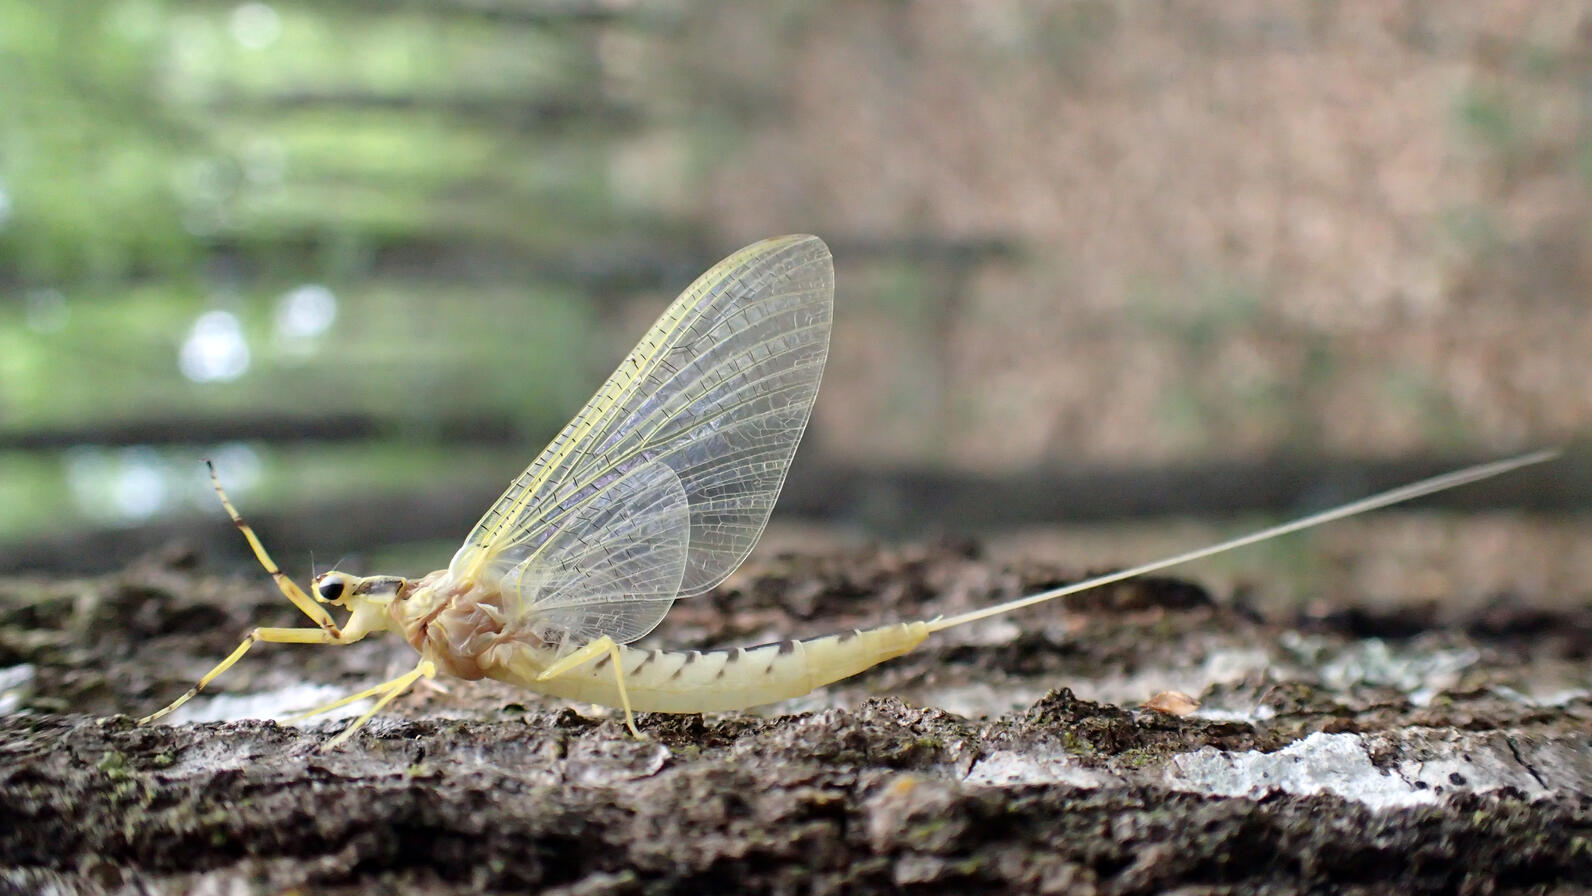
[167, 167]
[1079, 233]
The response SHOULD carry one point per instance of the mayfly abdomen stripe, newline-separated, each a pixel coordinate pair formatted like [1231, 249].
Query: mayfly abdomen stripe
[718, 680]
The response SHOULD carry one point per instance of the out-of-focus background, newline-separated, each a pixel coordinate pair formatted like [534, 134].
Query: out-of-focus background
[1112, 278]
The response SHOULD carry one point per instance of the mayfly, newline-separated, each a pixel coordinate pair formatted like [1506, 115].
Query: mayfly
[657, 491]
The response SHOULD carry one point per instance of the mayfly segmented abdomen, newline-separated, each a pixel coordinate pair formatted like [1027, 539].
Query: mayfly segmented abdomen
[716, 680]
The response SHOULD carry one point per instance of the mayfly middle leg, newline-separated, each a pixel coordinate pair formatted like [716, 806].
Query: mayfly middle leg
[326, 632]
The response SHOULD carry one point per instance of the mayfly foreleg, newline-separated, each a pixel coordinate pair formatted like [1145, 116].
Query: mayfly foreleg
[327, 633]
[426, 669]
[291, 591]
[273, 635]
[594, 651]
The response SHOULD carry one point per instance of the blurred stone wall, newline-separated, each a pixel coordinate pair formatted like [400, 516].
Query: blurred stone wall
[1244, 228]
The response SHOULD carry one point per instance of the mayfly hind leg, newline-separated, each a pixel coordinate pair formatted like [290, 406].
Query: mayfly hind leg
[327, 633]
[587, 653]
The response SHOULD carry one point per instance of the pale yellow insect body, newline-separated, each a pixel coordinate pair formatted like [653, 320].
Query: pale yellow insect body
[467, 635]
[656, 491]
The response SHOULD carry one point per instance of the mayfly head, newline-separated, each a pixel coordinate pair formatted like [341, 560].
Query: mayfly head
[341, 589]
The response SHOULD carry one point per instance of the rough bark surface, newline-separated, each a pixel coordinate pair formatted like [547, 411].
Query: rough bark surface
[1355, 753]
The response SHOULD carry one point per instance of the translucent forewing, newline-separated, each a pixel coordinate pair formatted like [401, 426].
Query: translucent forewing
[719, 391]
[629, 540]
